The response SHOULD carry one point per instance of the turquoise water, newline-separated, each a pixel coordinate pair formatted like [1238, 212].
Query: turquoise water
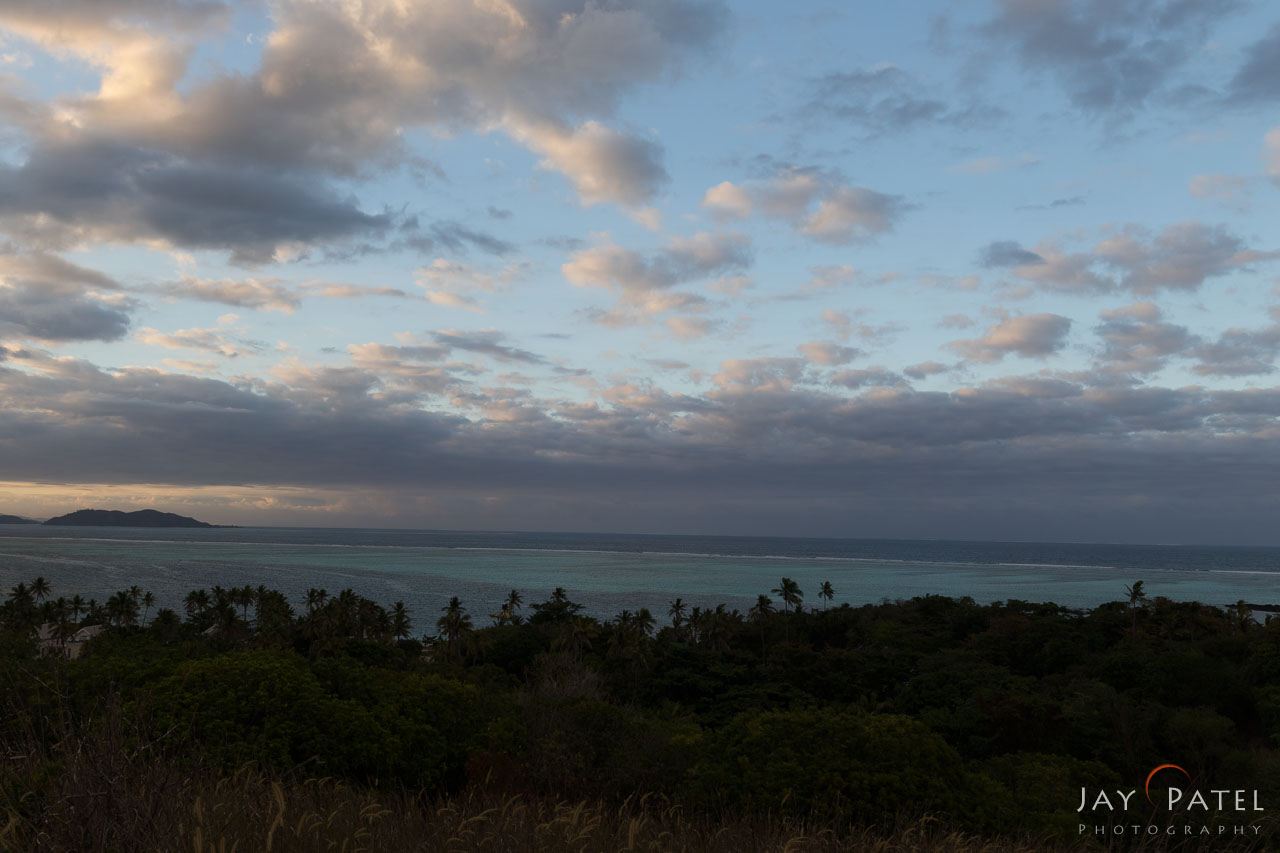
[608, 573]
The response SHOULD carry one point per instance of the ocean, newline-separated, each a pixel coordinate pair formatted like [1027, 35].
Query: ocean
[610, 572]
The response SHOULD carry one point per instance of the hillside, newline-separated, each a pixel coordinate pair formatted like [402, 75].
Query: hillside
[116, 518]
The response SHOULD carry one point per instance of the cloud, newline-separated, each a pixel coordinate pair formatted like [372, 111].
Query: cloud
[1111, 57]
[48, 298]
[209, 340]
[955, 321]
[827, 353]
[727, 201]
[884, 100]
[924, 369]
[760, 440]
[1179, 257]
[644, 281]
[872, 377]
[852, 215]
[603, 164]
[1137, 341]
[486, 342]
[454, 284]
[1240, 352]
[1007, 253]
[759, 374]
[684, 328]
[84, 193]
[1230, 190]
[1029, 335]
[337, 290]
[454, 237]
[28, 313]
[844, 215]
[1271, 154]
[546, 74]
[263, 294]
[1258, 79]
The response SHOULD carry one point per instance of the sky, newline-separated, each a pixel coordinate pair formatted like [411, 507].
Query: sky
[986, 270]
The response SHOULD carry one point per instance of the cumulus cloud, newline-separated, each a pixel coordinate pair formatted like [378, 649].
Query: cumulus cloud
[1029, 335]
[1230, 190]
[456, 284]
[643, 281]
[758, 434]
[92, 192]
[759, 374]
[1136, 340]
[27, 313]
[1109, 57]
[265, 294]
[544, 73]
[486, 342]
[852, 215]
[872, 377]
[209, 340]
[603, 164]
[924, 369]
[885, 99]
[48, 298]
[727, 201]
[817, 205]
[1258, 79]
[828, 353]
[1179, 257]
[1239, 352]
[1007, 253]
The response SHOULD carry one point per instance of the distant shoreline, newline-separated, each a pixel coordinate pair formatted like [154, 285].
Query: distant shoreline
[144, 518]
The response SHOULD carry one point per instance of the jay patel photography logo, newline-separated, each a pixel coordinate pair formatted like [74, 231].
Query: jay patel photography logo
[1183, 811]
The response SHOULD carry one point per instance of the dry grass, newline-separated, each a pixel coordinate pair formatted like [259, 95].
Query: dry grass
[251, 811]
[112, 790]
[107, 787]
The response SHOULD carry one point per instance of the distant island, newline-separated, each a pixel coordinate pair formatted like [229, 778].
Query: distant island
[16, 519]
[116, 518]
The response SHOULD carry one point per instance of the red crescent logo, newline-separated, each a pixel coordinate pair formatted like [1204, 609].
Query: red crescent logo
[1147, 787]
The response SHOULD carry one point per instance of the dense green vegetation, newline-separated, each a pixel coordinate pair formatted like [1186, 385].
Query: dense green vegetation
[988, 718]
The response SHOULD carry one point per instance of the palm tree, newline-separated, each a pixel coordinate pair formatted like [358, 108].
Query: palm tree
[760, 613]
[1137, 597]
[77, 606]
[575, 635]
[40, 589]
[645, 622]
[514, 600]
[401, 624]
[790, 593]
[315, 599]
[676, 612]
[122, 609]
[20, 596]
[1241, 616]
[826, 593]
[242, 597]
[148, 601]
[196, 602]
[166, 624]
[454, 625]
